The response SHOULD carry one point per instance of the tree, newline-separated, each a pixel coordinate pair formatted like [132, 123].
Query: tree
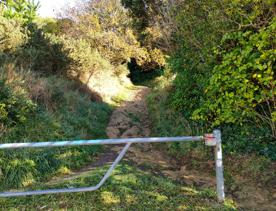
[24, 10]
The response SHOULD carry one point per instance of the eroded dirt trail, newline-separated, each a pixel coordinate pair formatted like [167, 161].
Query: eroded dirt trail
[131, 119]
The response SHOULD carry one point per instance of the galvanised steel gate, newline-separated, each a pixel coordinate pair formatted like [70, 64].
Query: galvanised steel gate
[213, 139]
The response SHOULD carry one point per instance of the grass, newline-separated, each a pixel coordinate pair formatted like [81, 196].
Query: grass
[62, 113]
[121, 97]
[128, 189]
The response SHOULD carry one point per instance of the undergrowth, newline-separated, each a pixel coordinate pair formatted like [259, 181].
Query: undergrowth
[245, 155]
[57, 111]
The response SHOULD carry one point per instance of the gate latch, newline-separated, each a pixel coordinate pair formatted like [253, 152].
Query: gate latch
[210, 139]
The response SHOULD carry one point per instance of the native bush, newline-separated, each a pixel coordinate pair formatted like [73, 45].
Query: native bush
[243, 85]
[15, 107]
[83, 57]
[38, 103]
[106, 26]
[191, 77]
[29, 47]
[223, 69]
[201, 28]
[44, 52]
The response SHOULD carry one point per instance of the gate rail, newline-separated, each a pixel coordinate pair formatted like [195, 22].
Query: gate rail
[213, 139]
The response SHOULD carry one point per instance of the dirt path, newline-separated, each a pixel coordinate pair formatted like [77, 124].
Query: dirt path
[131, 119]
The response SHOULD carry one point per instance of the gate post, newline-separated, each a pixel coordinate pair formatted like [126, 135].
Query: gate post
[219, 166]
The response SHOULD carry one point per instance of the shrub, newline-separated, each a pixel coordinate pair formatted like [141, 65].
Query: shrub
[83, 57]
[242, 87]
[15, 107]
[31, 48]
[44, 53]
[11, 36]
[200, 30]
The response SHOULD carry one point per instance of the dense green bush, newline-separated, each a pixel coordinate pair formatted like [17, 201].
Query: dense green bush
[201, 28]
[83, 57]
[191, 78]
[107, 27]
[44, 52]
[224, 77]
[237, 139]
[29, 46]
[242, 86]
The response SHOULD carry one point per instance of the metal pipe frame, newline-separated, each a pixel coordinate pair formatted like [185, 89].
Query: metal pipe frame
[219, 166]
[128, 142]
[99, 142]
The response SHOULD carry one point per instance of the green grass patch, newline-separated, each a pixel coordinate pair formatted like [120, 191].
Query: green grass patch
[120, 98]
[127, 189]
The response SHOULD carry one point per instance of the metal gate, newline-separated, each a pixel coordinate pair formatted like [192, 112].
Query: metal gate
[213, 139]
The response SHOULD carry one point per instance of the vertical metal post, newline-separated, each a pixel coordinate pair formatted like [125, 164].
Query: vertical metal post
[219, 166]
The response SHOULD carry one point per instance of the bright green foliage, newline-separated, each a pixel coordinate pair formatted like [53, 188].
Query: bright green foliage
[243, 85]
[23, 10]
[236, 82]
[199, 28]
[11, 36]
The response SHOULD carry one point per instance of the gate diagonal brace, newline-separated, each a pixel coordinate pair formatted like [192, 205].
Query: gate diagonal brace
[73, 190]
